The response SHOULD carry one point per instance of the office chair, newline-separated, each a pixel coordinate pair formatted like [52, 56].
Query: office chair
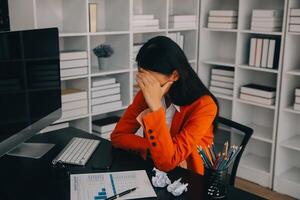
[235, 134]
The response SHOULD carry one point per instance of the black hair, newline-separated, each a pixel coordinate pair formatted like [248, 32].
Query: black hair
[161, 54]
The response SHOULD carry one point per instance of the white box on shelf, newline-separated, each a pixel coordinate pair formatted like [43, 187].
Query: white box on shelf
[297, 99]
[266, 29]
[221, 84]
[295, 20]
[104, 80]
[223, 19]
[294, 28]
[73, 95]
[106, 99]
[259, 90]
[109, 86]
[106, 107]
[297, 107]
[223, 71]
[74, 105]
[297, 92]
[221, 90]
[223, 13]
[152, 22]
[75, 112]
[142, 17]
[295, 12]
[73, 55]
[252, 53]
[265, 50]
[182, 24]
[275, 24]
[73, 71]
[182, 18]
[222, 78]
[102, 93]
[258, 53]
[73, 63]
[257, 99]
[266, 13]
[222, 25]
[271, 53]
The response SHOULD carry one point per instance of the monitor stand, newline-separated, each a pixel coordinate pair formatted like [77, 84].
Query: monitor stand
[31, 150]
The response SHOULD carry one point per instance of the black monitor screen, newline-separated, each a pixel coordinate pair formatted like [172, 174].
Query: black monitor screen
[29, 78]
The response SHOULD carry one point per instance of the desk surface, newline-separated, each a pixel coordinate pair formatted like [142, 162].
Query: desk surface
[36, 179]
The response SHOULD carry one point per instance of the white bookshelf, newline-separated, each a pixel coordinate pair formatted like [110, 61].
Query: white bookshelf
[230, 48]
[114, 27]
[287, 163]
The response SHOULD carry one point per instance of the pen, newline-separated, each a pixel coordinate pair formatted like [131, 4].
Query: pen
[121, 194]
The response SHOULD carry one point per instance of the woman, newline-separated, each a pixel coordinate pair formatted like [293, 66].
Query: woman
[175, 109]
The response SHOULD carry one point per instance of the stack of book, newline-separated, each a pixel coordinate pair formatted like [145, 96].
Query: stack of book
[136, 49]
[264, 52]
[222, 79]
[258, 93]
[297, 99]
[105, 94]
[182, 21]
[73, 63]
[223, 19]
[294, 25]
[145, 22]
[266, 20]
[74, 103]
[104, 127]
[178, 38]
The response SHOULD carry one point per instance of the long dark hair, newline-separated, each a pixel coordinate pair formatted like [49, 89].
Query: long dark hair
[163, 55]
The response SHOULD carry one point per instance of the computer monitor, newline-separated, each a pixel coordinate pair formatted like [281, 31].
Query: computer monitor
[30, 93]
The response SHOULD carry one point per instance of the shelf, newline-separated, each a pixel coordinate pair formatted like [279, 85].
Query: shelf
[71, 119]
[182, 29]
[256, 162]
[111, 110]
[292, 143]
[295, 72]
[149, 31]
[72, 34]
[261, 133]
[275, 71]
[291, 110]
[292, 175]
[255, 104]
[96, 72]
[228, 62]
[222, 96]
[109, 33]
[73, 77]
[261, 32]
[220, 30]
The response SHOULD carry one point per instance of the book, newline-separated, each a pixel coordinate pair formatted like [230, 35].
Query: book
[256, 99]
[68, 95]
[297, 92]
[73, 55]
[222, 78]
[295, 20]
[265, 29]
[102, 93]
[93, 17]
[143, 17]
[266, 19]
[273, 53]
[75, 112]
[297, 100]
[145, 28]
[295, 12]
[223, 71]
[182, 24]
[146, 22]
[106, 107]
[220, 90]
[222, 25]
[106, 99]
[265, 50]
[266, 13]
[222, 19]
[55, 127]
[259, 90]
[104, 80]
[275, 24]
[105, 124]
[221, 84]
[182, 18]
[294, 28]
[73, 72]
[73, 63]
[297, 107]
[74, 104]
[223, 13]
[105, 87]
[258, 52]
[252, 53]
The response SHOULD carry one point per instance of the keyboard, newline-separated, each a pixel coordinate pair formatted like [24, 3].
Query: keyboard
[77, 152]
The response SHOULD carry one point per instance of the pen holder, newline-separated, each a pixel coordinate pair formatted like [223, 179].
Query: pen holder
[216, 183]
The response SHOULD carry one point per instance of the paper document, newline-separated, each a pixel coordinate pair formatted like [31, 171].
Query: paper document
[96, 186]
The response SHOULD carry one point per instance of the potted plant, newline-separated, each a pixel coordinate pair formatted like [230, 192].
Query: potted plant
[103, 52]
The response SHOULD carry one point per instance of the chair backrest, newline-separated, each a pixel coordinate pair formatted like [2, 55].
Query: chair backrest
[233, 130]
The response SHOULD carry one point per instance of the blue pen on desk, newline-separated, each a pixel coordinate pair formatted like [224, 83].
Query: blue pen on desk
[121, 194]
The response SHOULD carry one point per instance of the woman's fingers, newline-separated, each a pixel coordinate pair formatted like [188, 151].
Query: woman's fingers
[165, 88]
[140, 83]
[144, 78]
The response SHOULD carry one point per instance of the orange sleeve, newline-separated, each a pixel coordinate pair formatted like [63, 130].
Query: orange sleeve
[123, 135]
[166, 151]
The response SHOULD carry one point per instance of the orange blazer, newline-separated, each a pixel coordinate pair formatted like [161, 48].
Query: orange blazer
[190, 127]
